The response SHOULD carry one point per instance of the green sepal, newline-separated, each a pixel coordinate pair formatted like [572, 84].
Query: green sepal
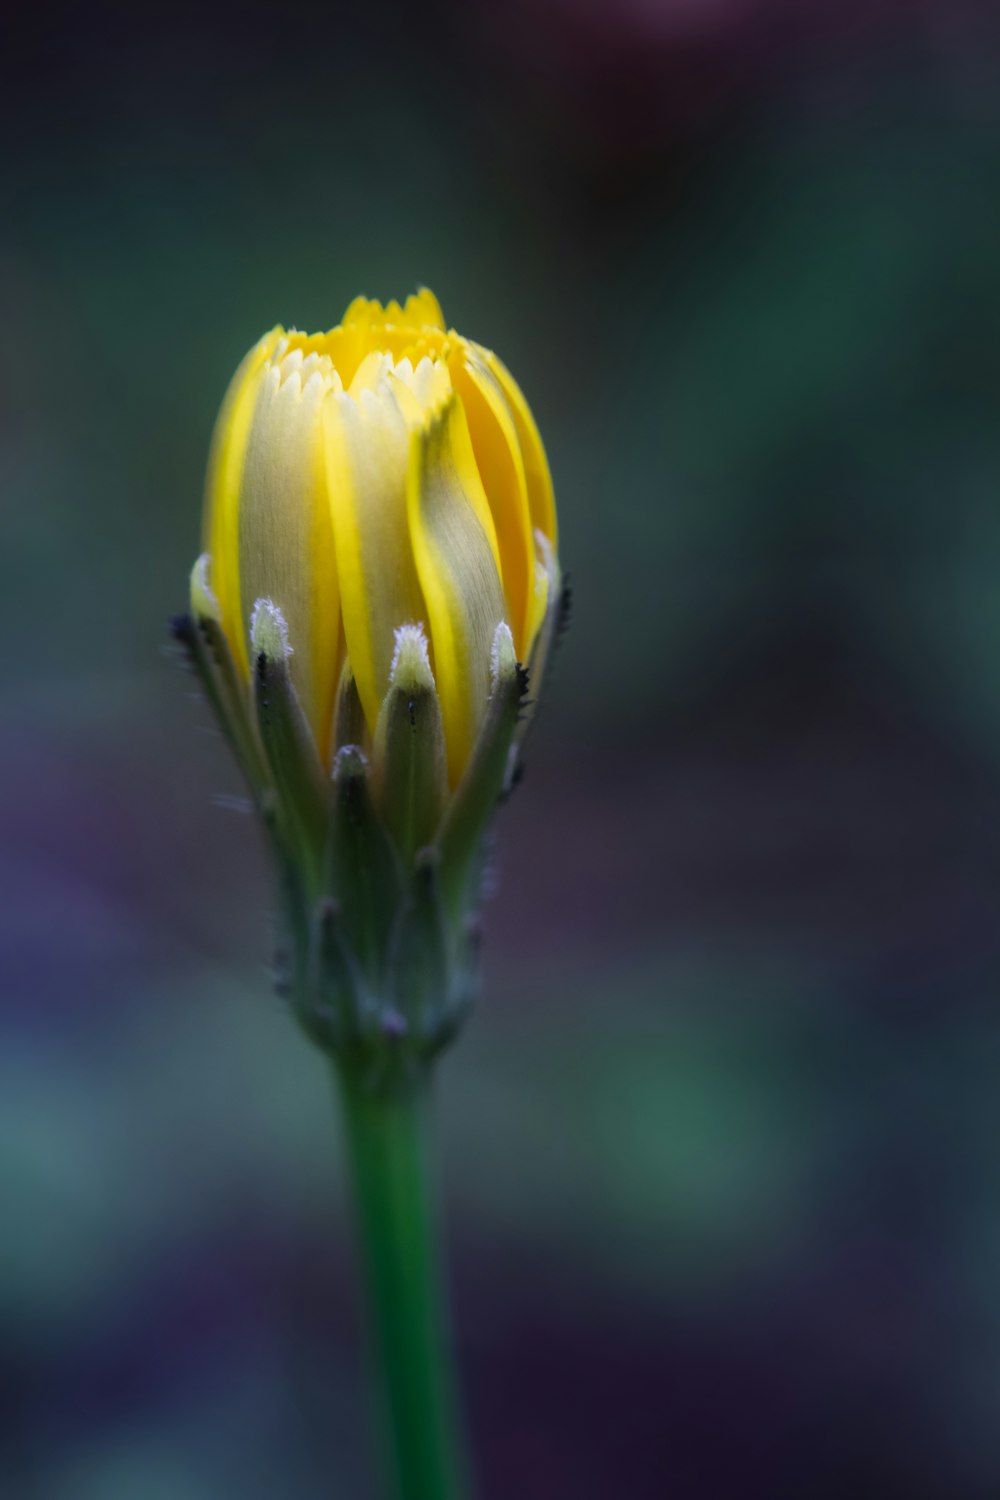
[419, 969]
[487, 776]
[290, 747]
[463, 986]
[349, 726]
[412, 768]
[207, 651]
[226, 688]
[292, 935]
[365, 876]
[332, 1003]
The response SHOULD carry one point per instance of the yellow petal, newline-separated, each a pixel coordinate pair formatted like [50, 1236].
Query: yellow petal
[497, 449]
[544, 585]
[420, 310]
[548, 603]
[360, 310]
[457, 564]
[367, 327]
[345, 346]
[536, 466]
[423, 310]
[286, 547]
[367, 451]
[222, 489]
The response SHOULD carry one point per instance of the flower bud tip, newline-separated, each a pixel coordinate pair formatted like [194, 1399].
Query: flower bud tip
[203, 602]
[411, 662]
[269, 631]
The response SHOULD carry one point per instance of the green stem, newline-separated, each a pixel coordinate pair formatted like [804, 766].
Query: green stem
[387, 1144]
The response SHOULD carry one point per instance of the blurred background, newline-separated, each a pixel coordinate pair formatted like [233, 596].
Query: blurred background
[721, 1147]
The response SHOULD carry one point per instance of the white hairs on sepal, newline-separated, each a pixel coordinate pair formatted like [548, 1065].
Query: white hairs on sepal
[411, 658]
[269, 631]
[503, 657]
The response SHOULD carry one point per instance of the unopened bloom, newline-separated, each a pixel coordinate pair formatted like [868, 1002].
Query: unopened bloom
[385, 474]
[378, 570]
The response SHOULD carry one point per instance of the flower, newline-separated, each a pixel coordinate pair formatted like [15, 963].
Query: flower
[386, 474]
[379, 561]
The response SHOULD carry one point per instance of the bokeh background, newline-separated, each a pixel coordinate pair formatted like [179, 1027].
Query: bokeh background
[721, 1148]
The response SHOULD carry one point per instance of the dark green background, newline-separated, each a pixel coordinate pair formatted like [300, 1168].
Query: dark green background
[722, 1146]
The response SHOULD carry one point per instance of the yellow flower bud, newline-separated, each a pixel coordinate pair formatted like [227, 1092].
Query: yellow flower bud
[386, 474]
[378, 584]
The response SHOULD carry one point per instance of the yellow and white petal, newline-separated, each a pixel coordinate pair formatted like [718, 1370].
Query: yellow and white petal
[541, 496]
[457, 562]
[367, 452]
[222, 489]
[371, 373]
[420, 389]
[286, 546]
[498, 455]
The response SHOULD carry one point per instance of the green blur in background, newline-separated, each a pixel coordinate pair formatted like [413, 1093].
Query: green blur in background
[720, 1147]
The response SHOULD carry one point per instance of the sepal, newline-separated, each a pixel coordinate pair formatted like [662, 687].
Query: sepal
[380, 872]
[488, 775]
[419, 975]
[201, 637]
[333, 1004]
[287, 739]
[364, 872]
[409, 747]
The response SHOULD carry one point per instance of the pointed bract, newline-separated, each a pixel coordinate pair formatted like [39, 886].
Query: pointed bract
[412, 776]
[471, 809]
[365, 873]
[285, 734]
[419, 975]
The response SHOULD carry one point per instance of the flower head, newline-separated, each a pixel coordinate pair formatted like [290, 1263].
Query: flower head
[385, 474]
[379, 560]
